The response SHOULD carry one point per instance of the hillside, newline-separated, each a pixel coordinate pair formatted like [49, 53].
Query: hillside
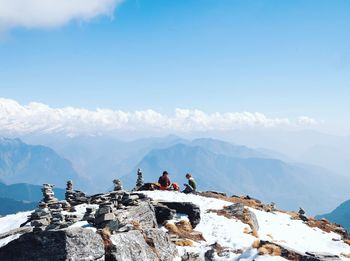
[340, 215]
[288, 185]
[23, 163]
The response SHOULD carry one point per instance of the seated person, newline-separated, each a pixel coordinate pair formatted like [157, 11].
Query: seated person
[191, 186]
[164, 181]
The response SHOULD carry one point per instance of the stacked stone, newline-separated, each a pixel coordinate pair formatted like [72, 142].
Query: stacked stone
[117, 185]
[130, 199]
[89, 215]
[58, 218]
[40, 218]
[48, 194]
[105, 213]
[140, 181]
[75, 197]
[69, 195]
[69, 220]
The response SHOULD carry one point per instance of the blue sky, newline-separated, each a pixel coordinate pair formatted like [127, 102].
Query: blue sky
[280, 58]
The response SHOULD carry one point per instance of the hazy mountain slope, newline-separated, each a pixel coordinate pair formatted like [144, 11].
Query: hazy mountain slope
[334, 157]
[340, 215]
[94, 157]
[33, 164]
[228, 149]
[288, 185]
[26, 192]
[11, 206]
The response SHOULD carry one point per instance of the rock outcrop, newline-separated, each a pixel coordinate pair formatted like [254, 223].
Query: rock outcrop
[149, 244]
[124, 228]
[64, 244]
[191, 210]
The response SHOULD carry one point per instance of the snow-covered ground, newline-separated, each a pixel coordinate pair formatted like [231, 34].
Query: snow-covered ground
[277, 227]
[10, 222]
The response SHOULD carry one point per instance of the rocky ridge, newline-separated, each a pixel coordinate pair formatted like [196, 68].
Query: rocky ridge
[123, 225]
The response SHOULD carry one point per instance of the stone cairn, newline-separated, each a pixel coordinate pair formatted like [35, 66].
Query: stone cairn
[52, 214]
[117, 185]
[140, 181]
[69, 195]
[49, 213]
[109, 204]
[40, 218]
[75, 197]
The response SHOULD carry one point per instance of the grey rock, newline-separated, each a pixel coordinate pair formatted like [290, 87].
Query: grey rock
[163, 213]
[319, 256]
[190, 256]
[105, 217]
[161, 242]
[143, 214]
[191, 210]
[237, 210]
[131, 246]
[67, 244]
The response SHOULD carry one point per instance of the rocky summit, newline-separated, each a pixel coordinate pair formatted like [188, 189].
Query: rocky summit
[120, 226]
[165, 225]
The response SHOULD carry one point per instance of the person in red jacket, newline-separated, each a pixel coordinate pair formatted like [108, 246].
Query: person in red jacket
[164, 181]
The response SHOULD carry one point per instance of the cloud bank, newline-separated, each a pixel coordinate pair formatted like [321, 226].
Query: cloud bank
[51, 13]
[17, 119]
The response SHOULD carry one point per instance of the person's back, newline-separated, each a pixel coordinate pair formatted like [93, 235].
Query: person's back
[164, 181]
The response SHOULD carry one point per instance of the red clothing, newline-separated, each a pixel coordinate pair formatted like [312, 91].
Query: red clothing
[164, 182]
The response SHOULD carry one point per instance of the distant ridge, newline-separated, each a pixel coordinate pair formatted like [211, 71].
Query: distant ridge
[34, 164]
[340, 215]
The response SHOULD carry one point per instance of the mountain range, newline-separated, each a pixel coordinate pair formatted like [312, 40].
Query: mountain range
[239, 170]
[34, 164]
[22, 197]
[215, 164]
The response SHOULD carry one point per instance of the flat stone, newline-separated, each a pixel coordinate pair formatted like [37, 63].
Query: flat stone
[104, 218]
[61, 245]
[143, 214]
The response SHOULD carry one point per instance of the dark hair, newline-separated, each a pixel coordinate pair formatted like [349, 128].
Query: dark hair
[188, 175]
[165, 172]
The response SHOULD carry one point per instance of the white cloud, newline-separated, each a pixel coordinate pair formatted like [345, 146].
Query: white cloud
[40, 118]
[51, 13]
[306, 121]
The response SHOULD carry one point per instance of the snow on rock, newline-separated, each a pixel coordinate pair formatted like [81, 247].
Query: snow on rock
[226, 232]
[296, 235]
[13, 221]
[10, 222]
[275, 227]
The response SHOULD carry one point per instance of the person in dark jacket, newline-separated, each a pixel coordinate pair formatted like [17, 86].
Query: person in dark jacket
[164, 181]
[191, 186]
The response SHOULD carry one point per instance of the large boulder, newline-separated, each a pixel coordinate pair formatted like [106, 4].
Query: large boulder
[143, 214]
[131, 246]
[65, 244]
[149, 244]
[160, 241]
[244, 214]
[163, 213]
[191, 210]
